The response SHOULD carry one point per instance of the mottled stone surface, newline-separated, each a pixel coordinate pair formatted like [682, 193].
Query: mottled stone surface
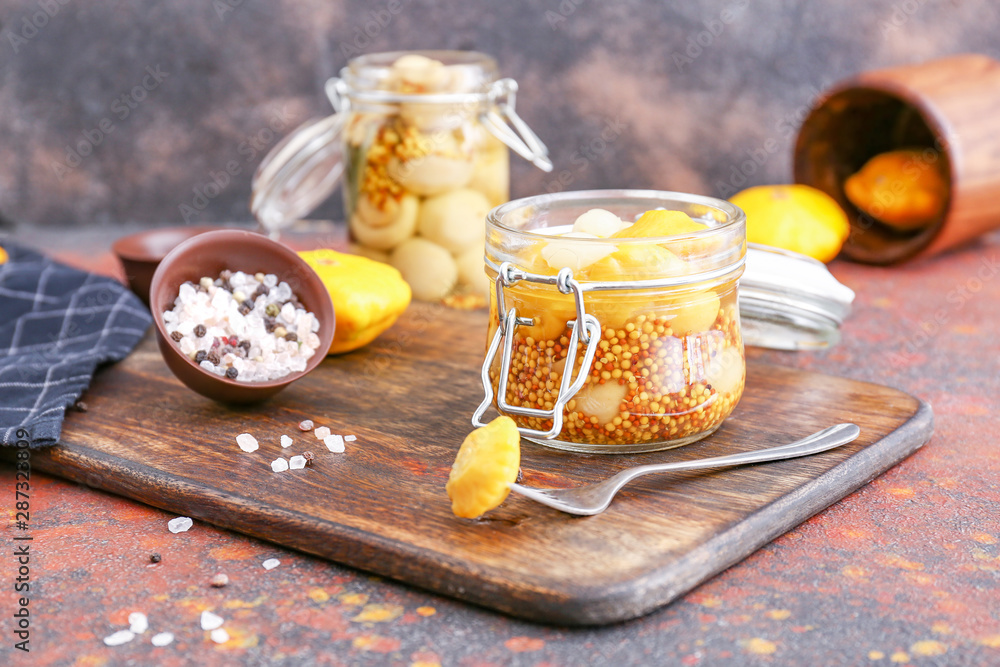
[906, 571]
[681, 96]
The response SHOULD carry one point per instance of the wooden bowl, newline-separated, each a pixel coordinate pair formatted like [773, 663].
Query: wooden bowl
[944, 107]
[211, 253]
[141, 253]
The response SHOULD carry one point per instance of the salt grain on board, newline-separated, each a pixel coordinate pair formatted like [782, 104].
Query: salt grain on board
[210, 621]
[297, 462]
[162, 639]
[350, 438]
[180, 525]
[335, 443]
[271, 563]
[286, 441]
[322, 432]
[119, 638]
[220, 636]
[279, 464]
[247, 442]
[138, 623]
[306, 425]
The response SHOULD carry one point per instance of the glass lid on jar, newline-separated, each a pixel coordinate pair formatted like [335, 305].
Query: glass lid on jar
[790, 301]
[299, 173]
[304, 169]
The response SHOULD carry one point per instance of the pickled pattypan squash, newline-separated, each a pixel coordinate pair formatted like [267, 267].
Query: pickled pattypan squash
[368, 296]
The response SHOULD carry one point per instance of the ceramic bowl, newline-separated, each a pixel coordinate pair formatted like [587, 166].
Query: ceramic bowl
[211, 253]
[141, 253]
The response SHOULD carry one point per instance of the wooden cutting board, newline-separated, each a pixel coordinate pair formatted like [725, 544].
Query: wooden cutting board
[382, 507]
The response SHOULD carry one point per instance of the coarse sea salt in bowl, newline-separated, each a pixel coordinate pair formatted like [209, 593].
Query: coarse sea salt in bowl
[252, 351]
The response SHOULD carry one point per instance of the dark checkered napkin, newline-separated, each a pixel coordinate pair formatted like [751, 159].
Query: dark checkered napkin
[57, 325]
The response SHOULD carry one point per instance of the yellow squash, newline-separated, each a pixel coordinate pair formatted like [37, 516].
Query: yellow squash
[368, 296]
[486, 465]
[660, 223]
[794, 217]
[900, 188]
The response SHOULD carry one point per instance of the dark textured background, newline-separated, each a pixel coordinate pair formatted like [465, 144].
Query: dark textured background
[234, 67]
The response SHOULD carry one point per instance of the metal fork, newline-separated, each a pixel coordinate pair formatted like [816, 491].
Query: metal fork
[595, 498]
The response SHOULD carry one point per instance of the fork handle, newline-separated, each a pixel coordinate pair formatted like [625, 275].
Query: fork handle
[828, 438]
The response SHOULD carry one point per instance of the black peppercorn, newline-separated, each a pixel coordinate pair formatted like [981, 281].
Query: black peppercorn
[199, 356]
[245, 344]
[213, 357]
[200, 330]
[231, 373]
[248, 304]
[155, 558]
[244, 310]
[176, 336]
[262, 290]
[308, 456]
[270, 325]
[291, 337]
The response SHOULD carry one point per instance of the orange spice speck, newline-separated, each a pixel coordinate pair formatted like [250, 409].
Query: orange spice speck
[760, 646]
[379, 613]
[524, 644]
[353, 599]
[318, 595]
[926, 647]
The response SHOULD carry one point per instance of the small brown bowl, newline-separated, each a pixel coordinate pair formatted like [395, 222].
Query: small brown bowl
[211, 253]
[141, 253]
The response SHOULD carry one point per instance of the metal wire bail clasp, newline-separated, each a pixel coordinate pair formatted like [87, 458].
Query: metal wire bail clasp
[521, 139]
[589, 334]
[336, 91]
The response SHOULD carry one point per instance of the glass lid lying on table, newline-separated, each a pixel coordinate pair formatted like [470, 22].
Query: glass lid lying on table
[789, 301]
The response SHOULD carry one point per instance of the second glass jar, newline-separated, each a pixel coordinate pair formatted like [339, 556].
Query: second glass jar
[421, 168]
[660, 362]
